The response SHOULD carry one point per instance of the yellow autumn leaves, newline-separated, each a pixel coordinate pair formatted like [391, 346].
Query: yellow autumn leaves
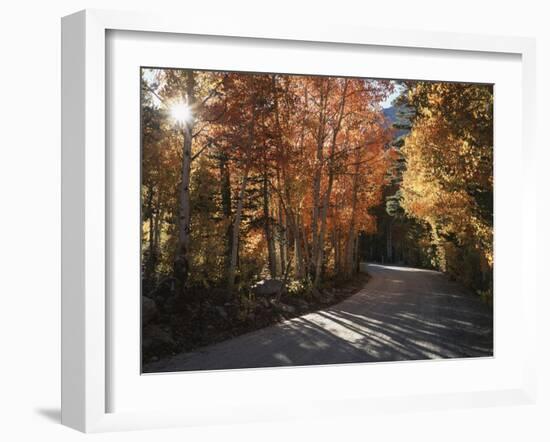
[448, 181]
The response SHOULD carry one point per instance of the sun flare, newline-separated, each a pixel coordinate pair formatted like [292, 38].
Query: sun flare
[181, 112]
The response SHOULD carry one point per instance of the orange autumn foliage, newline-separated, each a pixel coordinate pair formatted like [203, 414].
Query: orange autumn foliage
[284, 171]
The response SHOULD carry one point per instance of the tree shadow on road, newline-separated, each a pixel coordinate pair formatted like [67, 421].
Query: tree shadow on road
[383, 325]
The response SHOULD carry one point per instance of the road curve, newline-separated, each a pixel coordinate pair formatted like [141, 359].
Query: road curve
[402, 313]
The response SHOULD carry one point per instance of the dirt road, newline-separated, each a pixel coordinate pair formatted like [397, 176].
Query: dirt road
[402, 313]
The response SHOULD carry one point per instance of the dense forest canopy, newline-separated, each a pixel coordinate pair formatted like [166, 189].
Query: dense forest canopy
[249, 177]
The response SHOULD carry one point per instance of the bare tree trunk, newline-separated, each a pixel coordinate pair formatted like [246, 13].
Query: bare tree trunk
[268, 231]
[282, 238]
[236, 231]
[335, 241]
[389, 243]
[151, 225]
[292, 219]
[351, 231]
[225, 193]
[320, 245]
[181, 263]
[282, 228]
[341, 253]
[240, 201]
[356, 254]
[321, 242]
[305, 251]
[320, 138]
[298, 251]
[156, 237]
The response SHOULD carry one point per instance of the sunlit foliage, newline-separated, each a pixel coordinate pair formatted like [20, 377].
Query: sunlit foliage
[254, 176]
[448, 182]
[282, 173]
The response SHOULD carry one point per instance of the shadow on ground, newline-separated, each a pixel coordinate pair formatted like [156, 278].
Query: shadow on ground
[51, 414]
[402, 314]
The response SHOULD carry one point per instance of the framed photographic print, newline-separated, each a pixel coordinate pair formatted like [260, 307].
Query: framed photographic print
[249, 214]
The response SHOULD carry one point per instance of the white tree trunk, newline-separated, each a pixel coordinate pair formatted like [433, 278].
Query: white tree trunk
[321, 242]
[181, 264]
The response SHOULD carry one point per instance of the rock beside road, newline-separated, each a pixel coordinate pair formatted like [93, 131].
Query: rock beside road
[149, 310]
[156, 340]
[286, 308]
[268, 287]
[221, 311]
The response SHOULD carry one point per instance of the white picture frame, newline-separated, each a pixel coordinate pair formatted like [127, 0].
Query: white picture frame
[85, 310]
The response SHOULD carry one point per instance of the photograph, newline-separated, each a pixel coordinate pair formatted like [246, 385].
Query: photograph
[293, 220]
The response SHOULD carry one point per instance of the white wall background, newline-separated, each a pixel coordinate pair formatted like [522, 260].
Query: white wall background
[30, 216]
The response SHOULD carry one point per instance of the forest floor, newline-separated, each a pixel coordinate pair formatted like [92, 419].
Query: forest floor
[402, 313]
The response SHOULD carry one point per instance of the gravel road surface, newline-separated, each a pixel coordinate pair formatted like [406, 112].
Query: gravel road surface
[402, 313]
